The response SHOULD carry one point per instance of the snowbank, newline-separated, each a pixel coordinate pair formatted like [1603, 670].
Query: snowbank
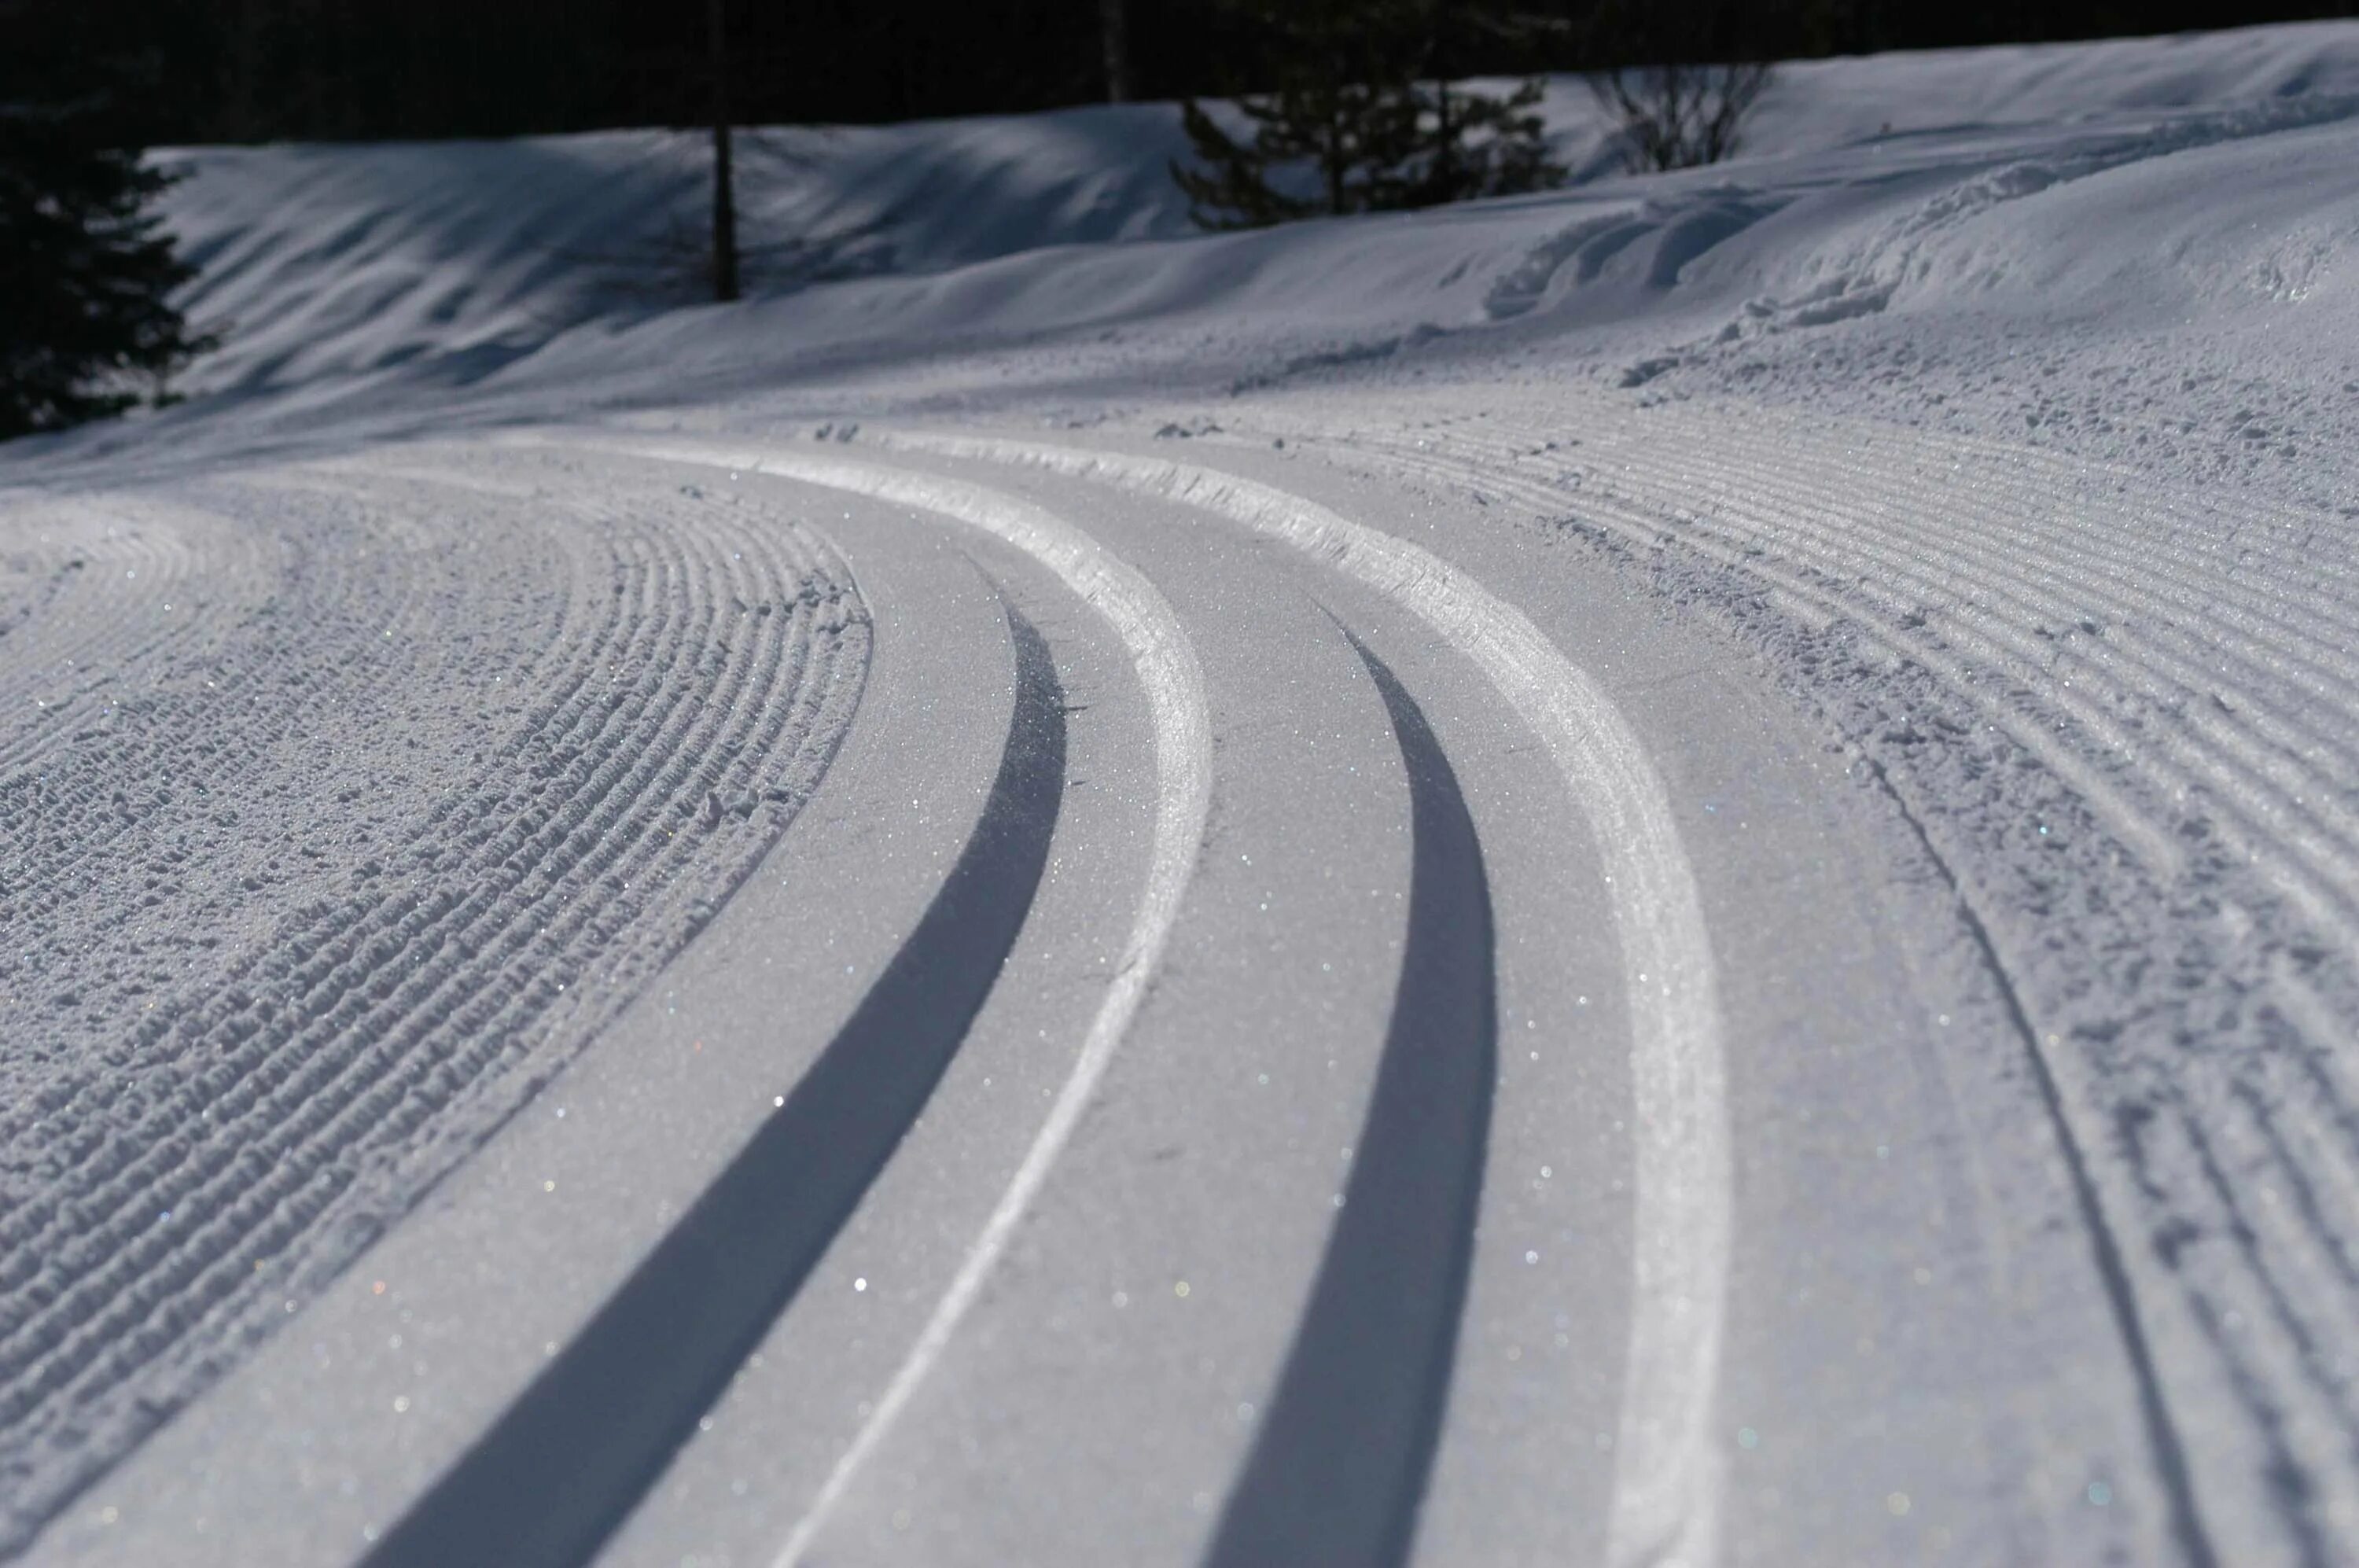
[1864, 182]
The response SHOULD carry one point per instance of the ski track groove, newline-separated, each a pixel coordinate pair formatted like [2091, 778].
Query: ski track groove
[570, 1457]
[1173, 685]
[2211, 756]
[1343, 1448]
[391, 1013]
[1667, 1491]
[2317, 883]
[2271, 750]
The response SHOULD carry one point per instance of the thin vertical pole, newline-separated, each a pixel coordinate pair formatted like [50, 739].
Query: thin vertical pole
[724, 193]
[1113, 17]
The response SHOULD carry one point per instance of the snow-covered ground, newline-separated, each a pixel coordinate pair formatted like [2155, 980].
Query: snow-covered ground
[1837, 815]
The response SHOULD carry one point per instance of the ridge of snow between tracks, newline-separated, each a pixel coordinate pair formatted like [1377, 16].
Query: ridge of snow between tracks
[1665, 1509]
[1174, 685]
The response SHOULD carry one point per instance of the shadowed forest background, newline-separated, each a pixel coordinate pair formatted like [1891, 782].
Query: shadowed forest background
[330, 69]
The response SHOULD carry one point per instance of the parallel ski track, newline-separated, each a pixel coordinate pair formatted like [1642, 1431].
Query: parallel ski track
[1341, 1456]
[2266, 768]
[2187, 664]
[1173, 685]
[1666, 1492]
[1983, 583]
[2170, 746]
[574, 1452]
[267, 1130]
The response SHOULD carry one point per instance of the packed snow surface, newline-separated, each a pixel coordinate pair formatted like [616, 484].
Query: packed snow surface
[1872, 626]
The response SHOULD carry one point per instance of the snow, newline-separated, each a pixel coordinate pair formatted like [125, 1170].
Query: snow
[1955, 493]
[1864, 186]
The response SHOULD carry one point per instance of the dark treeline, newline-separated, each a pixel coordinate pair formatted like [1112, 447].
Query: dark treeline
[264, 70]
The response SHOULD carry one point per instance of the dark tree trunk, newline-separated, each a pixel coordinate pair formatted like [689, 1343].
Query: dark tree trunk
[1113, 24]
[724, 191]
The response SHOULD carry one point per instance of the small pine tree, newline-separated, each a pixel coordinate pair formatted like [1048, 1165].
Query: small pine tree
[86, 318]
[1363, 116]
[1482, 146]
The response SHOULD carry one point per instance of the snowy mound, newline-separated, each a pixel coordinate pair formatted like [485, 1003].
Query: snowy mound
[1865, 184]
[518, 738]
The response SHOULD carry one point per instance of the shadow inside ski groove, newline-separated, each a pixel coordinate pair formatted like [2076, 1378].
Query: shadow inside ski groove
[565, 1463]
[1339, 1465]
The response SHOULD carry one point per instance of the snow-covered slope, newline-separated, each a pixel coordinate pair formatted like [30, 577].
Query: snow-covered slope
[447, 264]
[1892, 601]
[329, 261]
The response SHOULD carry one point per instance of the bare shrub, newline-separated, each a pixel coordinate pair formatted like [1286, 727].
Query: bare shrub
[1679, 116]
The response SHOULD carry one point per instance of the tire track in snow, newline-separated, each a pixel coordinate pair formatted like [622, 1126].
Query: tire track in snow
[240, 1145]
[1174, 688]
[1667, 1475]
[1340, 1462]
[563, 1465]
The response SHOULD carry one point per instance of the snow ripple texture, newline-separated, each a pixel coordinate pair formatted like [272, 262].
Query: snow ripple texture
[2125, 720]
[336, 812]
